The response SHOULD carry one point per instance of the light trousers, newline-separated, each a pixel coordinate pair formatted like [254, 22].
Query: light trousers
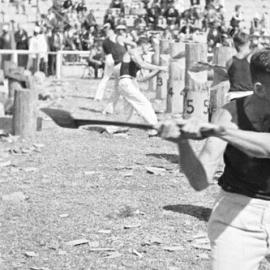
[239, 230]
[130, 91]
[109, 70]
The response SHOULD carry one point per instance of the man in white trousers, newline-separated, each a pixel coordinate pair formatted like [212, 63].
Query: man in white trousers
[113, 56]
[128, 86]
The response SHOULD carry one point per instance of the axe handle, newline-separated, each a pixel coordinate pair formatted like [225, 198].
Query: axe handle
[84, 122]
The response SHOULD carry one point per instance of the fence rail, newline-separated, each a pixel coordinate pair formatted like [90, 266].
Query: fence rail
[59, 56]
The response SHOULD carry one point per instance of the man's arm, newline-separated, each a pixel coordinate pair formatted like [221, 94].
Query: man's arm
[254, 144]
[144, 78]
[138, 60]
[199, 168]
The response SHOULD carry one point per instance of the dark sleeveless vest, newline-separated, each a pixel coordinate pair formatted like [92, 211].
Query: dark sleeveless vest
[243, 174]
[129, 68]
[239, 75]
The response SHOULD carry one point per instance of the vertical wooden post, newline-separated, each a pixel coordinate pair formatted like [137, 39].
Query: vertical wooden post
[221, 56]
[23, 123]
[221, 85]
[164, 46]
[196, 102]
[176, 83]
[155, 60]
[162, 77]
[59, 57]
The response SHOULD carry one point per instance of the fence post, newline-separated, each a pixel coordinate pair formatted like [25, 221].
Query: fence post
[59, 57]
[196, 101]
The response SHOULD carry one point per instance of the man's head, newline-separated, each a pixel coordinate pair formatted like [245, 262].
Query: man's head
[260, 73]
[241, 40]
[144, 44]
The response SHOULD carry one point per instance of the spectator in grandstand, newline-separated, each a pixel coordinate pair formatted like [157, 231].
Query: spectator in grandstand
[81, 6]
[85, 39]
[118, 4]
[162, 22]
[172, 16]
[55, 44]
[167, 34]
[32, 64]
[96, 58]
[67, 4]
[237, 18]
[90, 19]
[140, 23]
[21, 39]
[109, 18]
[20, 4]
[152, 17]
[5, 43]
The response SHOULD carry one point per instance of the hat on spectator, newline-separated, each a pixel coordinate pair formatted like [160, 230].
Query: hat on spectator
[37, 29]
[5, 27]
[107, 25]
[120, 27]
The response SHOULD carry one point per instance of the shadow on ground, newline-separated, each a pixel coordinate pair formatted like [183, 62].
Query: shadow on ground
[169, 157]
[199, 212]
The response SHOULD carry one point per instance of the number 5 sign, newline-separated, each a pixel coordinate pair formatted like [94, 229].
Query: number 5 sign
[197, 97]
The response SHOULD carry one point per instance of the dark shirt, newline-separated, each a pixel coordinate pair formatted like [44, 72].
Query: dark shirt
[129, 68]
[244, 174]
[115, 49]
[21, 39]
[239, 75]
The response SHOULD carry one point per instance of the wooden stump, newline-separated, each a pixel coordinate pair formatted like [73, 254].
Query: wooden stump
[155, 60]
[24, 123]
[162, 78]
[221, 56]
[196, 102]
[176, 85]
[164, 46]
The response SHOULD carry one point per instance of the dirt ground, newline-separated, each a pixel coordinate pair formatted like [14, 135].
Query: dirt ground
[96, 188]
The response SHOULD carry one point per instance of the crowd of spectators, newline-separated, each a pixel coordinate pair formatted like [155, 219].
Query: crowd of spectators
[70, 25]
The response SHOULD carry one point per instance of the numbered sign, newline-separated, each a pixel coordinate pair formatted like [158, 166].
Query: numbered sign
[197, 96]
[176, 85]
[162, 78]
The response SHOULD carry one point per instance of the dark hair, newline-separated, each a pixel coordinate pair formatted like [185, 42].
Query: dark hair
[142, 40]
[240, 38]
[260, 64]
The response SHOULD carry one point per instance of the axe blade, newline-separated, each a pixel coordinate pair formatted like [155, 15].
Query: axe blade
[66, 120]
[60, 117]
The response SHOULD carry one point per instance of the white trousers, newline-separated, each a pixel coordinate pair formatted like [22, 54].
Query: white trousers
[109, 70]
[239, 229]
[130, 91]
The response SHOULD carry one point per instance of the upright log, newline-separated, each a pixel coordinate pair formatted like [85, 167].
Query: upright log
[164, 46]
[220, 58]
[23, 123]
[196, 102]
[176, 83]
[220, 87]
[162, 77]
[156, 61]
